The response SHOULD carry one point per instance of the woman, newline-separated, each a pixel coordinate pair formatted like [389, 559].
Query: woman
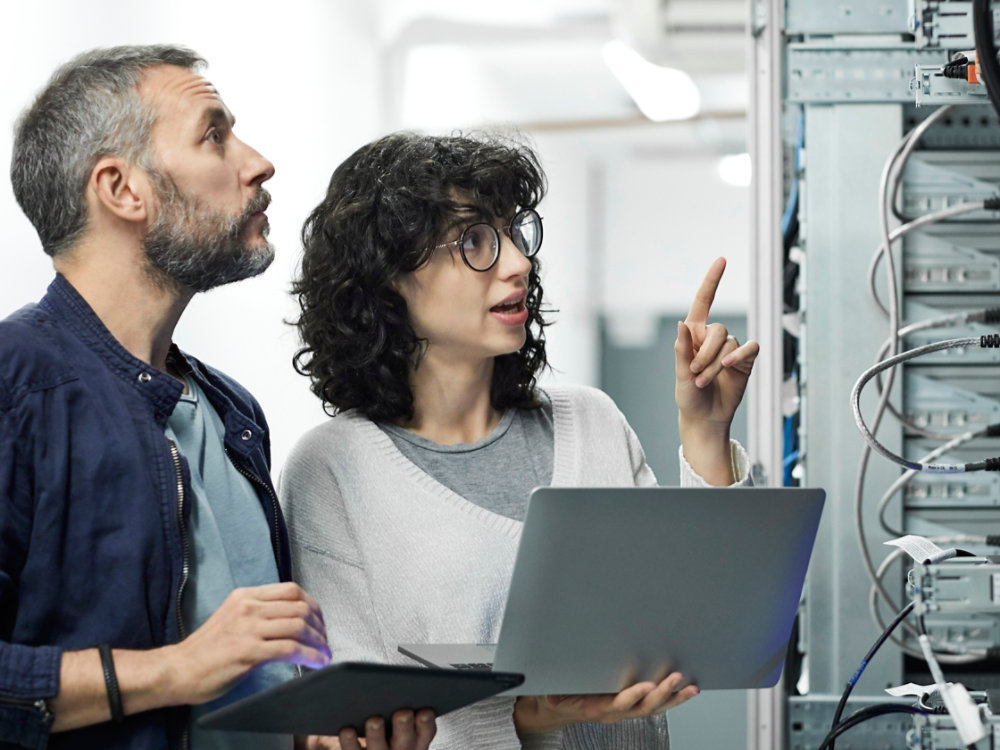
[423, 335]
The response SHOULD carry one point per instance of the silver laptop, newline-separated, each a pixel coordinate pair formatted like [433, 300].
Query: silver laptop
[612, 586]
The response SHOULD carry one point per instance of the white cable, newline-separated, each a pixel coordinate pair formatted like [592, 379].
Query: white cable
[906, 146]
[904, 229]
[910, 473]
[893, 313]
[943, 321]
[961, 708]
[885, 365]
[893, 172]
[910, 143]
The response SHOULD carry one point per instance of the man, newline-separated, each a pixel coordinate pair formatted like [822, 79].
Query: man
[143, 557]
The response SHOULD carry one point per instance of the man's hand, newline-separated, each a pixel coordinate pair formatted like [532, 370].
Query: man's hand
[712, 374]
[534, 714]
[274, 622]
[409, 732]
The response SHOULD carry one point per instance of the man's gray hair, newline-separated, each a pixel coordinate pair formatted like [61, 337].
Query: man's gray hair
[89, 109]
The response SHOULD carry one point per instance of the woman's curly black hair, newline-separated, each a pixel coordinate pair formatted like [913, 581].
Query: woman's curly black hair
[387, 206]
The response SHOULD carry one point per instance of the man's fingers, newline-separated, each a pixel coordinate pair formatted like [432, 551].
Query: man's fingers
[285, 591]
[291, 629]
[286, 620]
[291, 651]
[426, 728]
[273, 593]
[404, 733]
[705, 295]
[375, 734]
[318, 742]
[348, 738]
[278, 612]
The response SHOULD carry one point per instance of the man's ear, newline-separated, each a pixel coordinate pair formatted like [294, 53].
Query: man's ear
[121, 189]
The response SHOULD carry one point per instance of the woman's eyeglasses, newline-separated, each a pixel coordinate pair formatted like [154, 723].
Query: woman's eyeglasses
[480, 242]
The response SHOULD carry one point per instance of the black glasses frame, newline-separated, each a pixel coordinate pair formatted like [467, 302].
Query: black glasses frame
[519, 218]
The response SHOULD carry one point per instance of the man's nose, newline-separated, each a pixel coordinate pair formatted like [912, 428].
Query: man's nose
[257, 169]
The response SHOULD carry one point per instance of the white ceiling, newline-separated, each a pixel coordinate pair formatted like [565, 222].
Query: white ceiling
[538, 63]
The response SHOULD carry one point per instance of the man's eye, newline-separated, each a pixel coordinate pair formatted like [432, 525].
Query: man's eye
[214, 136]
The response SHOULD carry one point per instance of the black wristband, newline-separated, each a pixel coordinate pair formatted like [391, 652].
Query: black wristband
[111, 683]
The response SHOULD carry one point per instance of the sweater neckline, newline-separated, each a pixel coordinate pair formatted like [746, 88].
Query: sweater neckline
[564, 439]
[506, 419]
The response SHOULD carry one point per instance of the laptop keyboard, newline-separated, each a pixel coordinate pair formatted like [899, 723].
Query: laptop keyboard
[476, 666]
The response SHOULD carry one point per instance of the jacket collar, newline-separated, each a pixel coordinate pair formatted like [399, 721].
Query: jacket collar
[71, 310]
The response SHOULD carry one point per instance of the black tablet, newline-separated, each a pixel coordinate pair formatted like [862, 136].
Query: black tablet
[345, 694]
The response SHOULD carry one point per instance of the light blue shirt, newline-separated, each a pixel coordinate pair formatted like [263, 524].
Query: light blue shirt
[230, 548]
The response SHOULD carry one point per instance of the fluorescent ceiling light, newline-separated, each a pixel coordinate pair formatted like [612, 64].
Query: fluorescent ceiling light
[736, 169]
[660, 93]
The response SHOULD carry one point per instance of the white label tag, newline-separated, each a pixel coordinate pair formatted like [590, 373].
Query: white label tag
[920, 549]
[910, 689]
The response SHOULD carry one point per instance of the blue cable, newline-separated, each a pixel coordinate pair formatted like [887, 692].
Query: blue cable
[793, 193]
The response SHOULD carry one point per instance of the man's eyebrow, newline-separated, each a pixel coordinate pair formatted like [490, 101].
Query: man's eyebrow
[218, 116]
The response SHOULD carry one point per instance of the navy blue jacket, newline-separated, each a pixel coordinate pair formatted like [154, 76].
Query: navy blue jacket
[93, 546]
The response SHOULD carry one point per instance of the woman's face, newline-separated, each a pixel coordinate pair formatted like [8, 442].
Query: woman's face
[466, 315]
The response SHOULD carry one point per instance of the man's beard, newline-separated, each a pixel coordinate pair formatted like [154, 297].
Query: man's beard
[191, 246]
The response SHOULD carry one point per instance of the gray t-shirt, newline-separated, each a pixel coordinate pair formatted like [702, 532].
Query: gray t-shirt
[230, 548]
[496, 473]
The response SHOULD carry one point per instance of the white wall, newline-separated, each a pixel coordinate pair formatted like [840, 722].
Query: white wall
[632, 218]
[299, 77]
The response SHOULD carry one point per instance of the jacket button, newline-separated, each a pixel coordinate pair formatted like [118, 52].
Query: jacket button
[246, 435]
[144, 377]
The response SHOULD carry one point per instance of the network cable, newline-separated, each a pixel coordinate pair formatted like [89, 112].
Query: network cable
[986, 341]
[991, 204]
[981, 315]
[905, 477]
[986, 50]
[872, 443]
[901, 155]
[861, 668]
[944, 655]
[866, 713]
[891, 175]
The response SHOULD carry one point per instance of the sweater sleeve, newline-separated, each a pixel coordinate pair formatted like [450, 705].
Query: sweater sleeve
[642, 472]
[631, 734]
[741, 468]
[326, 560]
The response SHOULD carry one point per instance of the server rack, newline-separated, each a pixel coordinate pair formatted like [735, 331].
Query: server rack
[835, 88]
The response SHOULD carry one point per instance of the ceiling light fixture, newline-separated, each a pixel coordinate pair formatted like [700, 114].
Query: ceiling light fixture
[736, 169]
[660, 93]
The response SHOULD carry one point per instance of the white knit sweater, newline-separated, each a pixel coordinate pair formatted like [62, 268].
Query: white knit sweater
[392, 556]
